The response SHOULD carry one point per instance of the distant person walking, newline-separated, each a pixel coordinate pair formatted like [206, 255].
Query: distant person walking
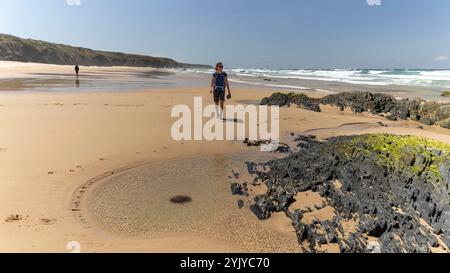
[218, 84]
[77, 70]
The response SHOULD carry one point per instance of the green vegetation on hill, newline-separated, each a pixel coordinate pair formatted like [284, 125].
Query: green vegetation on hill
[28, 50]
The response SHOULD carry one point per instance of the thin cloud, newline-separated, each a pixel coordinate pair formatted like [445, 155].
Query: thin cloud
[73, 2]
[374, 2]
[441, 58]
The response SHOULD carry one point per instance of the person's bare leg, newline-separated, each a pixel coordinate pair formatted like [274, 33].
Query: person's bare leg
[217, 110]
[222, 106]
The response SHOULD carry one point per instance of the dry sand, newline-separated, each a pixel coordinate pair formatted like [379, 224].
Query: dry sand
[114, 152]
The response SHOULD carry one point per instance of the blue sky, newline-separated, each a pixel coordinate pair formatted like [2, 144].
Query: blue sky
[247, 33]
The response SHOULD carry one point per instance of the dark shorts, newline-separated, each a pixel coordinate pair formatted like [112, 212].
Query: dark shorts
[219, 94]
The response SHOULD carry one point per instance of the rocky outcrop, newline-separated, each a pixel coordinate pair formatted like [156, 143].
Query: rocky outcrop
[445, 94]
[301, 100]
[394, 189]
[27, 50]
[426, 112]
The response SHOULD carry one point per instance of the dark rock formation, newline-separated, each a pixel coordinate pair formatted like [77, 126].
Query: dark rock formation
[361, 102]
[27, 50]
[301, 100]
[395, 189]
[240, 204]
[239, 189]
[426, 112]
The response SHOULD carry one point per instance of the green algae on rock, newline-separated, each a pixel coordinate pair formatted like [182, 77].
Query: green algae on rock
[402, 153]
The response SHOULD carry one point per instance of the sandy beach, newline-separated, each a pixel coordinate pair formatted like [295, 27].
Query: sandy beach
[100, 168]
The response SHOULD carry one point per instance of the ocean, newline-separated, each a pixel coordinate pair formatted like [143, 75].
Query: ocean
[407, 81]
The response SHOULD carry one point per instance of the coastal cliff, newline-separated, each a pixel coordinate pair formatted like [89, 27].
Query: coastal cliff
[28, 50]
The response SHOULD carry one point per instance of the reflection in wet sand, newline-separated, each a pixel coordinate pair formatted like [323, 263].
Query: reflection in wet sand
[96, 79]
[12, 84]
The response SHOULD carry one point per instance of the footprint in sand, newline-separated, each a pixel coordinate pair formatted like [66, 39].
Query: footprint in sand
[47, 221]
[3, 150]
[52, 172]
[14, 218]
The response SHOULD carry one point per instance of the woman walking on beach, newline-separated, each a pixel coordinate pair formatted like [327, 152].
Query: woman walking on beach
[218, 84]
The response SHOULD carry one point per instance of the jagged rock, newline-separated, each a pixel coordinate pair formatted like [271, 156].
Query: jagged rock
[426, 112]
[277, 99]
[237, 189]
[361, 101]
[378, 229]
[446, 124]
[373, 248]
[301, 100]
[390, 184]
[443, 113]
[262, 208]
[305, 141]
[240, 204]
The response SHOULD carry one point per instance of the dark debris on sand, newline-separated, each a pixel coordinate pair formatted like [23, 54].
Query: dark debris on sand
[280, 147]
[181, 199]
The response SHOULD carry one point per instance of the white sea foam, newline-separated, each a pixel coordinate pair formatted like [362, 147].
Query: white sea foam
[420, 78]
[273, 85]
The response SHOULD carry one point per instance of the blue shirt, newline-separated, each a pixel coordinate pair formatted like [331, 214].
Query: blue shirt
[220, 79]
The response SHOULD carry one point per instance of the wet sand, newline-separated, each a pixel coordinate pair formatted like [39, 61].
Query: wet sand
[136, 204]
[118, 144]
